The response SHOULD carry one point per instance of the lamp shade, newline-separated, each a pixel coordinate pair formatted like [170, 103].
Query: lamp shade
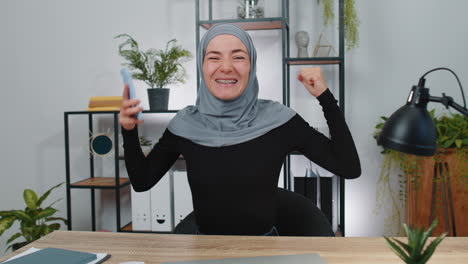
[411, 130]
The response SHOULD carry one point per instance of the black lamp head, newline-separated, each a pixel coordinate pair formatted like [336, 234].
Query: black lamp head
[411, 129]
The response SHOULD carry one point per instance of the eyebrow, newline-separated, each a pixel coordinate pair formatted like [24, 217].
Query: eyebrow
[233, 51]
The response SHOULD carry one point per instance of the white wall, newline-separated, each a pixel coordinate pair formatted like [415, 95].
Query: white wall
[55, 54]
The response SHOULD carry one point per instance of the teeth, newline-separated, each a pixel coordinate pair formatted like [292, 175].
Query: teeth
[226, 81]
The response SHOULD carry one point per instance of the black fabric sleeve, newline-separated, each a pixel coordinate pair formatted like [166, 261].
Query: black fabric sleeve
[145, 171]
[337, 154]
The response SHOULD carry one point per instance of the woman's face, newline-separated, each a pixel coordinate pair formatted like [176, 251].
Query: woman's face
[226, 67]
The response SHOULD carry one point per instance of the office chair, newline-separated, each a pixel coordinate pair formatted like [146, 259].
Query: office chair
[296, 216]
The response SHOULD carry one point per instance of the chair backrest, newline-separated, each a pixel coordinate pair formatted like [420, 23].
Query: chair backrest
[296, 216]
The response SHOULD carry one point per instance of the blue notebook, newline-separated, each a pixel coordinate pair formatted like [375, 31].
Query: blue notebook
[54, 256]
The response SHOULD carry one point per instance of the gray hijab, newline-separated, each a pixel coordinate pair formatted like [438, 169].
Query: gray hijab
[214, 122]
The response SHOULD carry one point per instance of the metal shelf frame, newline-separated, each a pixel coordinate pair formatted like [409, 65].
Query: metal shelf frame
[93, 182]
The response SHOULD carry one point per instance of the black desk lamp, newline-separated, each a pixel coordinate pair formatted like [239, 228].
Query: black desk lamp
[410, 129]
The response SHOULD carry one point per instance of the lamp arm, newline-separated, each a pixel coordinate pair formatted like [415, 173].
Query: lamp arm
[448, 101]
[422, 82]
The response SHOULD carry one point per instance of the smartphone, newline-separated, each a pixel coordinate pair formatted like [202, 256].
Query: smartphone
[127, 79]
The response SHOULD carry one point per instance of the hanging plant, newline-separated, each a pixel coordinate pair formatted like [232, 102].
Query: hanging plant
[452, 137]
[351, 21]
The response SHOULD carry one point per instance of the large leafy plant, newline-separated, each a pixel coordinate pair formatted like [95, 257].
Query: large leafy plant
[34, 220]
[452, 133]
[414, 251]
[157, 67]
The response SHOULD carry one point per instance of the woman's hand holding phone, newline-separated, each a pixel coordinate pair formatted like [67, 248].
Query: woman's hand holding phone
[130, 112]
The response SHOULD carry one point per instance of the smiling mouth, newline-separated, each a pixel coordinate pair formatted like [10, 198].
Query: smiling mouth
[226, 81]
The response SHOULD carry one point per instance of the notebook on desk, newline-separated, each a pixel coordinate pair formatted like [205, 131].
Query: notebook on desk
[283, 259]
[56, 255]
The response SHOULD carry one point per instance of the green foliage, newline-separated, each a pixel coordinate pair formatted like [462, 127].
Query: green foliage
[351, 21]
[34, 220]
[452, 132]
[414, 252]
[157, 67]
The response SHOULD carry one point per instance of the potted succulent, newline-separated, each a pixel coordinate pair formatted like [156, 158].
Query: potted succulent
[34, 220]
[414, 252]
[156, 67]
[420, 179]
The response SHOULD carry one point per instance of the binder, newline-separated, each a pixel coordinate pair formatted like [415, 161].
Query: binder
[182, 196]
[141, 210]
[161, 205]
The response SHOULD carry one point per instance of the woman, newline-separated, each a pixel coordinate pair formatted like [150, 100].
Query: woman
[235, 144]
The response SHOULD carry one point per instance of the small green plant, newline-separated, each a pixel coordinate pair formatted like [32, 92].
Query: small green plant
[351, 21]
[34, 220]
[414, 252]
[157, 67]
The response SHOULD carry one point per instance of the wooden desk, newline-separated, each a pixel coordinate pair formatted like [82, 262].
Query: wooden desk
[158, 248]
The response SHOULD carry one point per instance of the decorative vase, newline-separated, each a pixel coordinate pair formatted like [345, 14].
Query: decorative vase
[302, 42]
[250, 9]
[158, 99]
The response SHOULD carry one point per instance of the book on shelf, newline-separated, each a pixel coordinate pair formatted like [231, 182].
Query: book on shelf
[104, 103]
[56, 256]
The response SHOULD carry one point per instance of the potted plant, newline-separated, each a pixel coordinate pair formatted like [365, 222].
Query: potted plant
[414, 252]
[34, 220]
[429, 187]
[351, 21]
[156, 67]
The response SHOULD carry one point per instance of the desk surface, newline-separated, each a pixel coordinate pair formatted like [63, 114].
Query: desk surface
[158, 248]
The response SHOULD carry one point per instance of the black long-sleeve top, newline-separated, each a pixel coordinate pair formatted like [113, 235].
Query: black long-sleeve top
[233, 187]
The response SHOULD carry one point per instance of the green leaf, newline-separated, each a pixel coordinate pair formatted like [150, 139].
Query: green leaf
[22, 216]
[431, 248]
[45, 213]
[6, 213]
[30, 198]
[46, 194]
[57, 219]
[13, 237]
[428, 233]
[55, 226]
[397, 250]
[458, 143]
[448, 143]
[6, 222]
[404, 246]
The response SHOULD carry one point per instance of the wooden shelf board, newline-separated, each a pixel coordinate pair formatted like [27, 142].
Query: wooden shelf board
[100, 182]
[249, 24]
[313, 62]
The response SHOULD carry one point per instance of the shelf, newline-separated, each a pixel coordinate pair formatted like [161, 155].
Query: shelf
[100, 183]
[248, 24]
[314, 61]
